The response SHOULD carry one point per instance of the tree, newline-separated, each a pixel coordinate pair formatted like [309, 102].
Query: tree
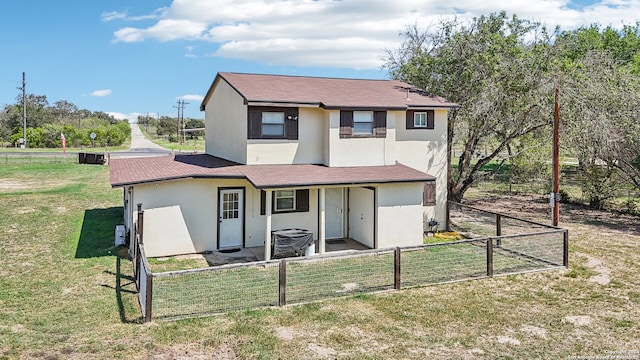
[601, 110]
[498, 69]
[194, 124]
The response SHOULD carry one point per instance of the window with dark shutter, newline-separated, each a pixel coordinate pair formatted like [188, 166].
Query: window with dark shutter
[368, 124]
[346, 123]
[429, 194]
[272, 123]
[424, 119]
[281, 200]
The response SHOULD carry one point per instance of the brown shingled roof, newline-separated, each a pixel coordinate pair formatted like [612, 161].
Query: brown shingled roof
[153, 169]
[329, 93]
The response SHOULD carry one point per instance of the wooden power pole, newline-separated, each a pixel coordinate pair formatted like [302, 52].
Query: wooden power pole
[24, 111]
[555, 195]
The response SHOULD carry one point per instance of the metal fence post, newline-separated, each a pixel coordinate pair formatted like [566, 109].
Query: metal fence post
[149, 298]
[282, 291]
[396, 267]
[565, 248]
[140, 223]
[490, 257]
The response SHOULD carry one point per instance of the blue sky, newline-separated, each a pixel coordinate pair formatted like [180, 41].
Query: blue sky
[128, 57]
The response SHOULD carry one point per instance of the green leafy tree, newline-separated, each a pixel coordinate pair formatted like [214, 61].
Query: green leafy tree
[498, 69]
[601, 108]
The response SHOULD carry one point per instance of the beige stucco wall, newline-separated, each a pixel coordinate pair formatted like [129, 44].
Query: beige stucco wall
[197, 200]
[181, 216]
[366, 151]
[226, 124]
[167, 240]
[308, 149]
[399, 215]
[426, 150]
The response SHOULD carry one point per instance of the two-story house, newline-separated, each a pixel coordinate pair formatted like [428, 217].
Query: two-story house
[342, 158]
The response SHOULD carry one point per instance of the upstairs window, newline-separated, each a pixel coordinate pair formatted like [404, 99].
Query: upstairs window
[423, 119]
[420, 120]
[363, 122]
[273, 124]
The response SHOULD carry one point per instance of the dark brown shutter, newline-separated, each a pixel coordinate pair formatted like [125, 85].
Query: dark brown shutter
[380, 123]
[263, 202]
[346, 123]
[254, 124]
[302, 200]
[430, 119]
[291, 124]
[410, 122]
[429, 193]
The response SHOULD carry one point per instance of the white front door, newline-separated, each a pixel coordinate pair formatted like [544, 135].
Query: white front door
[231, 218]
[334, 215]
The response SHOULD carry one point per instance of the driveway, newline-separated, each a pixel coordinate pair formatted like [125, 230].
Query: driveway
[140, 146]
[140, 143]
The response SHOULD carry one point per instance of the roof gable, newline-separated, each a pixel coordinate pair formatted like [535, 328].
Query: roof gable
[328, 93]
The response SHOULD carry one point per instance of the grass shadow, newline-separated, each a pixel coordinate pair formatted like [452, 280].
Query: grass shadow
[97, 233]
[127, 316]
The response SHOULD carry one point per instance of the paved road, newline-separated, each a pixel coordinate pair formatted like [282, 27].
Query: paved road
[140, 146]
[139, 142]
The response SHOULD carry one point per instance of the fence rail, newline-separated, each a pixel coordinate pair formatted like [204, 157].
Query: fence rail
[206, 291]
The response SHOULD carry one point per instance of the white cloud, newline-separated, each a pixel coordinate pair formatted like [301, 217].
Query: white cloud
[101, 93]
[333, 33]
[193, 97]
[112, 15]
[116, 15]
[131, 117]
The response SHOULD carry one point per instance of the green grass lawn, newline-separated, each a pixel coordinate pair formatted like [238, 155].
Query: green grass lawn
[65, 294]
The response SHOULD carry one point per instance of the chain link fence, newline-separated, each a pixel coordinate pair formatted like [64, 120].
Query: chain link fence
[219, 289]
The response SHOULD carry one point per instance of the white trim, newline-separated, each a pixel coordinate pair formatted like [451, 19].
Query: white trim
[293, 200]
[322, 222]
[425, 119]
[267, 226]
[369, 115]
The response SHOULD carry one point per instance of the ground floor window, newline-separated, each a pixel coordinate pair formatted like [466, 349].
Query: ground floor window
[285, 200]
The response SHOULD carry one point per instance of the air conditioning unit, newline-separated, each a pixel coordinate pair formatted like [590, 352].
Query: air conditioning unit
[120, 235]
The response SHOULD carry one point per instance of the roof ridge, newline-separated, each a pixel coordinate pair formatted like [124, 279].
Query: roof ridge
[309, 77]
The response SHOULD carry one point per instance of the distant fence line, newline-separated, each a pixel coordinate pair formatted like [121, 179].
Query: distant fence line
[17, 158]
[219, 289]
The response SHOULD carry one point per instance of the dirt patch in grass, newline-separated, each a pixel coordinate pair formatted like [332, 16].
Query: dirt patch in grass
[8, 185]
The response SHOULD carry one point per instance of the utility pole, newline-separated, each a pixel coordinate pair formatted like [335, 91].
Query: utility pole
[178, 119]
[180, 107]
[555, 195]
[24, 111]
[184, 134]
